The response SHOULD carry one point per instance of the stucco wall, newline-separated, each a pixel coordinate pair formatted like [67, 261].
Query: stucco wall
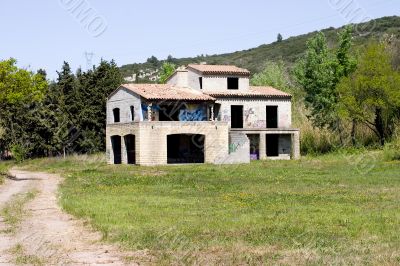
[124, 99]
[193, 80]
[179, 78]
[220, 84]
[213, 83]
[254, 112]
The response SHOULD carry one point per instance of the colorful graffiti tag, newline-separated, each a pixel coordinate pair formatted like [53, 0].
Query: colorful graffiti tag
[193, 113]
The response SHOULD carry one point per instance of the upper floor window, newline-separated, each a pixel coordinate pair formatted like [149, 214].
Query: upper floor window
[233, 83]
[116, 115]
[132, 113]
[201, 82]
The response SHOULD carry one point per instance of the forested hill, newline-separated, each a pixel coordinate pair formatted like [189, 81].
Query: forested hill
[254, 59]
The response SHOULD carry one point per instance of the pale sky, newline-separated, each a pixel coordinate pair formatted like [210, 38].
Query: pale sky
[42, 34]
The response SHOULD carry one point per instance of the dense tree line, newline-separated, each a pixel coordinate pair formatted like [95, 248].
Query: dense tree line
[55, 118]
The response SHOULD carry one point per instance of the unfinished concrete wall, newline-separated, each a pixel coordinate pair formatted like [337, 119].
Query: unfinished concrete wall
[239, 149]
[124, 99]
[151, 139]
[254, 111]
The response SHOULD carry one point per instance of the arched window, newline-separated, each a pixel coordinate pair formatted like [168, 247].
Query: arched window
[116, 115]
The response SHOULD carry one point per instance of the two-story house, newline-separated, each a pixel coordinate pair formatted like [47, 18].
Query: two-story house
[204, 114]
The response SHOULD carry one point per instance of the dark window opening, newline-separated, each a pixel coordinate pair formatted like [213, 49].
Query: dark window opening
[233, 83]
[116, 115]
[185, 148]
[133, 113]
[272, 145]
[116, 147]
[272, 116]
[201, 82]
[130, 149]
[236, 116]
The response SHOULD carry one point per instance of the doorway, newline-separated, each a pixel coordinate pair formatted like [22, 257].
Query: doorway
[116, 147]
[254, 146]
[272, 145]
[130, 149]
[272, 116]
[236, 116]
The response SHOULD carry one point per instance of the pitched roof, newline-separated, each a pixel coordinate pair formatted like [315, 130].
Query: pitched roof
[253, 92]
[220, 70]
[167, 92]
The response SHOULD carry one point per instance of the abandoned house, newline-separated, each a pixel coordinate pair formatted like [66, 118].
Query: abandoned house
[204, 114]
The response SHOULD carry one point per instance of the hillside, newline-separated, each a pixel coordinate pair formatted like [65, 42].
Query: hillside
[254, 59]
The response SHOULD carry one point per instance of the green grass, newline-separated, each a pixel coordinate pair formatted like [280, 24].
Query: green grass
[13, 211]
[342, 208]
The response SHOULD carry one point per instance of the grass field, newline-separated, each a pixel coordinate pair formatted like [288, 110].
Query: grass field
[333, 209]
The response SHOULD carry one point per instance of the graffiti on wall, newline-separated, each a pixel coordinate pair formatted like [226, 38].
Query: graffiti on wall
[193, 112]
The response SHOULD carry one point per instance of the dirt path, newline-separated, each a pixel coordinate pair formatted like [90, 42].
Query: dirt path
[49, 234]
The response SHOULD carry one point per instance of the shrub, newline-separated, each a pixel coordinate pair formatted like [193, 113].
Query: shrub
[19, 152]
[391, 151]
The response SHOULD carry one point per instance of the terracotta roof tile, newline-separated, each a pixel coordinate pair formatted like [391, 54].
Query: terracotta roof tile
[253, 92]
[167, 92]
[220, 70]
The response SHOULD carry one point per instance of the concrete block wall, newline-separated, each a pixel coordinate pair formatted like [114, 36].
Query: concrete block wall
[239, 149]
[151, 139]
[254, 111]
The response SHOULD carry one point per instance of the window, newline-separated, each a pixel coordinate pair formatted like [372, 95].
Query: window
[201, 82]
[233, 83]
[133, 113]
[116, 115]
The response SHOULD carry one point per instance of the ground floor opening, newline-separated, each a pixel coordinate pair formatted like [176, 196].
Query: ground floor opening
[130, 149]
[116, 147]
[185, 148]
[272, 145]
[254, 146]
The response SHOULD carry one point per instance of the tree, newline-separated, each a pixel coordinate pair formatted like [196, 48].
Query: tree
[167, 70]
[274, 74]
[153, 61]
[19, 85]
[279, 38]
[20, 91]
[370, 95]
[319, 72]
[316, 75]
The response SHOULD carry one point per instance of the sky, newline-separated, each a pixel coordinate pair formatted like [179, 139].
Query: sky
[43, 34]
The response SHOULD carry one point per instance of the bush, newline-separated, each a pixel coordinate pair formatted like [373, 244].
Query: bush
[19, 152]
[391, 151]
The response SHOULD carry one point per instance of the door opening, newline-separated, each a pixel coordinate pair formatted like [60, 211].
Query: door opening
[130, 149]
[272, 145]
[272, 116]
[237, 116]
[116, 146]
